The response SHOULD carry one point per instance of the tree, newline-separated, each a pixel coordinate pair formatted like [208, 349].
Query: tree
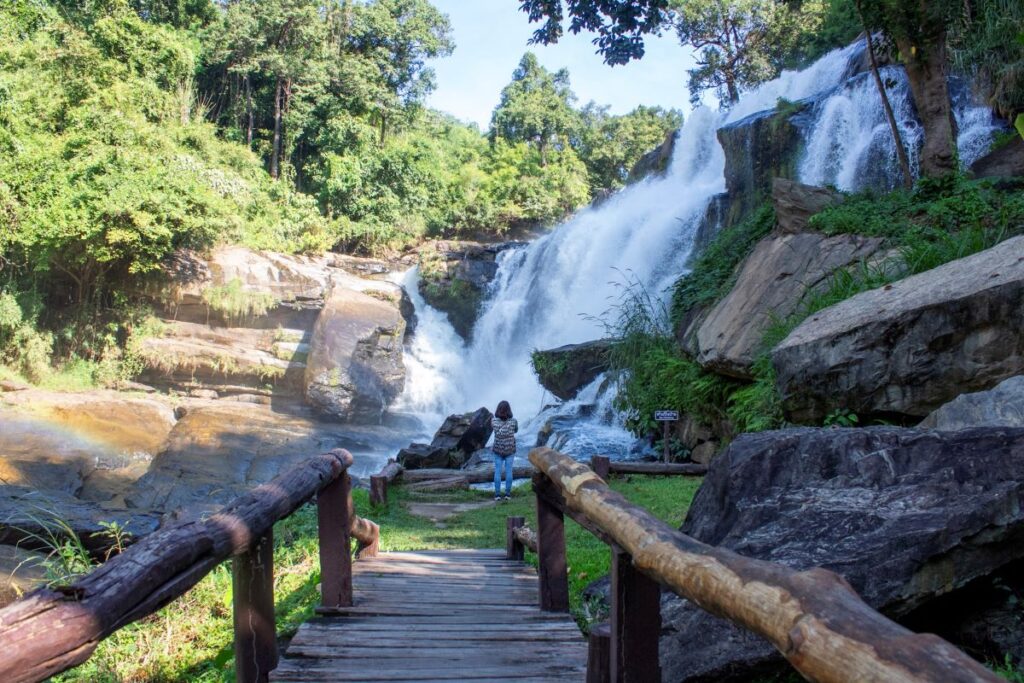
[916, 27]
[610, 146]
[535, 108]
[741, 43]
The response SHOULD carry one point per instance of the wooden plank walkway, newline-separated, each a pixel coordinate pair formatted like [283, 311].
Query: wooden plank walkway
[432, 616]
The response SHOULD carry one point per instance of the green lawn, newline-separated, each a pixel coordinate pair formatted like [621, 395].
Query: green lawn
[190, 640]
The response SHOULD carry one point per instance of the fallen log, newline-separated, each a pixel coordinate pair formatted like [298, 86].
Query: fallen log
[445, 484]
[814, 618]
[477, 475]
[54, 629]
[659, 468]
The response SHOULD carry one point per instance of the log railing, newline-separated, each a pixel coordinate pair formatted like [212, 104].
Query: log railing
[54, 629]
[604, 466]
[814, 618]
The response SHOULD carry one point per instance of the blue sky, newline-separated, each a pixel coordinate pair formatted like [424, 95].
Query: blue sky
[491, 37]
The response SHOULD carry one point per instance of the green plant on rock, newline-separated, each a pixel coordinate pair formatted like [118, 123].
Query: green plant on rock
[544, 365]
[236, 303]
[841, 417]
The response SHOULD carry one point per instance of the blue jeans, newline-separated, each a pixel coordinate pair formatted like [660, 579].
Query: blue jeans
[503, 463]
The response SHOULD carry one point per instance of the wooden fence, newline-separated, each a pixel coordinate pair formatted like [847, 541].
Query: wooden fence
[814, 618]
[54, 629]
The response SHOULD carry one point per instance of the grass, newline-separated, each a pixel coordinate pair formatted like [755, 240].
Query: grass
[190, 640]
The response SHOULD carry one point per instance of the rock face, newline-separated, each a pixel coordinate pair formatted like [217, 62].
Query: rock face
[217, 451]
[907, 348]
[567, 369]
[455, 276]
[240, 322]
[758, 149]
[1005, 162]
[354, 369]
[656, 161]
[795, 203]
[903, 515]
[771, 284]
[91, 445]
[1002, 406]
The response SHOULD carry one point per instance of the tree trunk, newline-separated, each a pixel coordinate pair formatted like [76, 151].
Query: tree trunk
[248, 111]
[275, 154]
[927, 66]
[812, 617]
[901, 152]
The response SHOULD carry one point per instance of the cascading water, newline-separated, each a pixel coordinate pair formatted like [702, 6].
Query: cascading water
[555, 290]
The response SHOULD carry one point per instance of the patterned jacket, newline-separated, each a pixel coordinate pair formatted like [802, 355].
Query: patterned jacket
[504, 435]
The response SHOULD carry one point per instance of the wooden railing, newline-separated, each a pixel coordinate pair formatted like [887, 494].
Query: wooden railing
[54, 629]
[814, 618]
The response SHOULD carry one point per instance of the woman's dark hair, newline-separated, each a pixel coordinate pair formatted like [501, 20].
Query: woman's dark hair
[504, 411]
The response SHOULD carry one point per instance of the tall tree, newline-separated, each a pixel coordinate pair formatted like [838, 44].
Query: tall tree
[535, 107]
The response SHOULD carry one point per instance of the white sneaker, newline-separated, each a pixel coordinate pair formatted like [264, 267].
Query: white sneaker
[497, 498]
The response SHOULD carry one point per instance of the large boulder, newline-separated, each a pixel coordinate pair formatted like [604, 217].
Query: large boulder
[656, 161]
[907, 348]
[354, 369]
[467, 433]
[795, 203]
[771, 284]
[1005, 162]
[567, 369]
[219, 450]
[1002, 406]
[903, 515]
[419, 456]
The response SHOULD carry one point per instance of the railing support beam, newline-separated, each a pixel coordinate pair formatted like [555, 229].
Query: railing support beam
[636, 622]
[334, 523]
[599, 653]
[552, 567]
[514, 549]
[252, 583]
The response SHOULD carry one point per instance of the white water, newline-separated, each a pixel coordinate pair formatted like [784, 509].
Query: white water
[556, 290]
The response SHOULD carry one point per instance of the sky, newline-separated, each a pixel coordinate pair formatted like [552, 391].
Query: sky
[491, 37]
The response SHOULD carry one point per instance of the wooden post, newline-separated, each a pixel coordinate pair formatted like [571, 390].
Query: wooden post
[635, 623]
[378, 490]
[664, 441]
[599, 654]
[513, 548]
[602, 465]
[552, 568]
[252, 585]
[334, 522]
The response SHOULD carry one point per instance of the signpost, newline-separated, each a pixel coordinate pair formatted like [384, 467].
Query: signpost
[665, 417]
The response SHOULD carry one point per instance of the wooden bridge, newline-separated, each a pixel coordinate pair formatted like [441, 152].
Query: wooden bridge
[434, 616]
[456, 615]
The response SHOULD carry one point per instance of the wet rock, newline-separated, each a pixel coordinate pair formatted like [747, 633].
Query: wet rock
[219, 450]
[567, 369]
[758, 149]
[419, 456]
[1002, 406]
[1005, 162]
[795, 203]
[904, 515]
[455, 276]
[909, 347]
[771, 284]
[355, 368]
[8, 385]
[28, 517]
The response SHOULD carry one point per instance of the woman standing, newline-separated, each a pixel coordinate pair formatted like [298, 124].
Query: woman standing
[505, 428]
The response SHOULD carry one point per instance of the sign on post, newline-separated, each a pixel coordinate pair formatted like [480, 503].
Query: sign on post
[665, 417]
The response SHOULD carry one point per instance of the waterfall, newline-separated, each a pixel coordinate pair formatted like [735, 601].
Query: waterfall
[555, 290]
